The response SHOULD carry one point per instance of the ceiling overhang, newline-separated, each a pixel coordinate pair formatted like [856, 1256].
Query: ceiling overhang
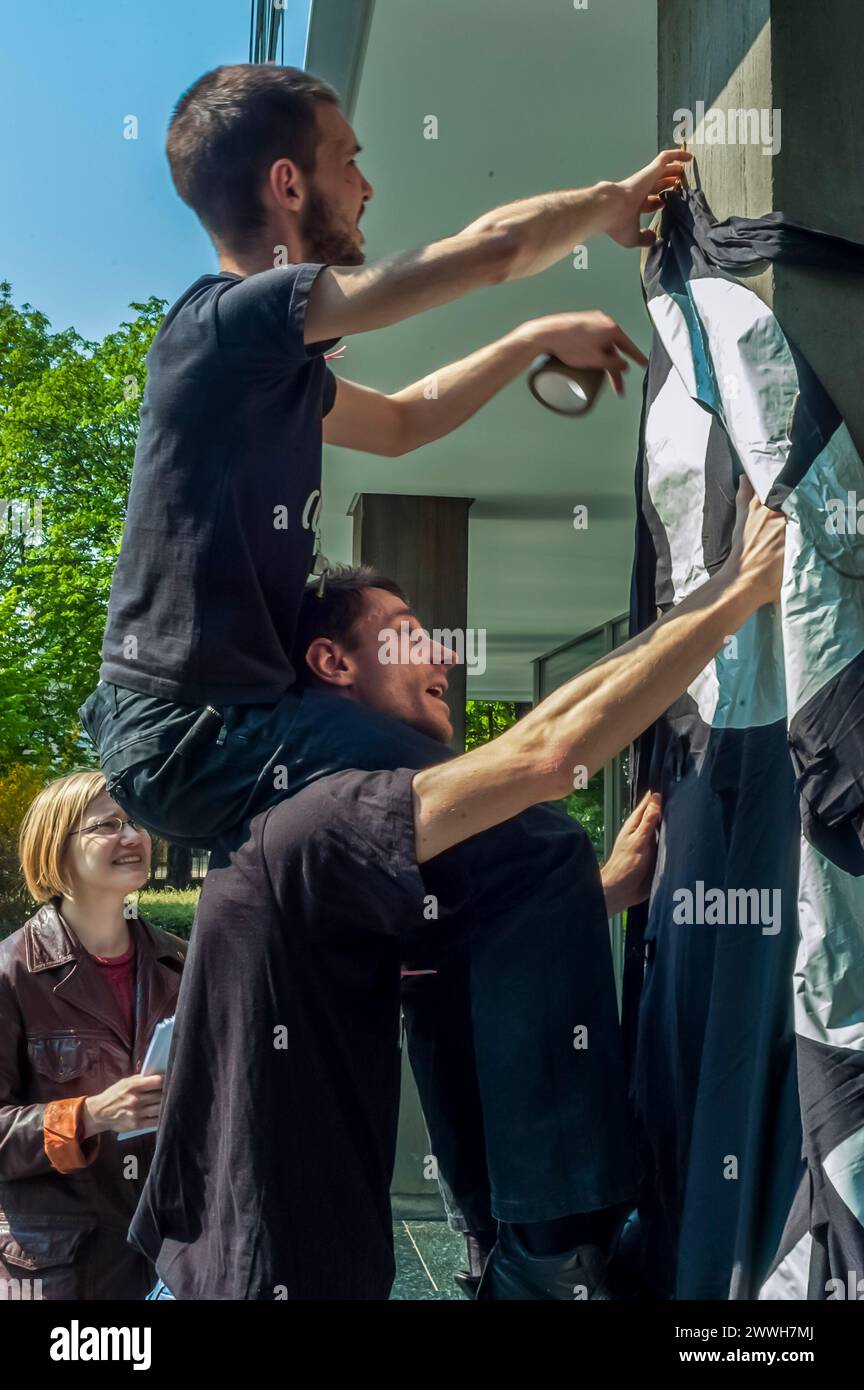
[336, 44]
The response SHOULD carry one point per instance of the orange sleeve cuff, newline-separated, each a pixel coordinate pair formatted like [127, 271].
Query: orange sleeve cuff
[60, 1128]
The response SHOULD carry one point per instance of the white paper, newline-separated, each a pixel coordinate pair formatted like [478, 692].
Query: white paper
[155, 1062]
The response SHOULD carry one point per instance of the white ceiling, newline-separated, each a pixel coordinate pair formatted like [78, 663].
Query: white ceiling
[529, 97]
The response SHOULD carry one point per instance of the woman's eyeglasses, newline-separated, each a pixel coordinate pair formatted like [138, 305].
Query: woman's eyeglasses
[111, 825]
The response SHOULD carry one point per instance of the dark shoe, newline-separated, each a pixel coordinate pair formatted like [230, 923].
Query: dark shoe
[467, 1283]
[512, 1272]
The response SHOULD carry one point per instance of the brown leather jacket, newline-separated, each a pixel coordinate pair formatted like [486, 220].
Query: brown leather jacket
[65, 1206]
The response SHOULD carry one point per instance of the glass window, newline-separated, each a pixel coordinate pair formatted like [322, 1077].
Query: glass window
[565, 662]
[602, 806]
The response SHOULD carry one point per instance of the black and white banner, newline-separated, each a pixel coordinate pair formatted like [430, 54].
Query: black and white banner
[748, 969]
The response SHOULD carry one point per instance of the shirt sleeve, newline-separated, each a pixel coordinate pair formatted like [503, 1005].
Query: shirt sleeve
[261, 319]
[346, 844]
[63, 1131]
[330, 385]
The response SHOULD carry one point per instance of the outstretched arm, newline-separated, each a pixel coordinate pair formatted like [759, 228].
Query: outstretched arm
[593, 717]
[365, 419]
[509, 243]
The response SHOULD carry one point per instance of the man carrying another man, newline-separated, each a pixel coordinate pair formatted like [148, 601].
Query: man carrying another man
[200, 727]
[195, 705]
[276, 1146]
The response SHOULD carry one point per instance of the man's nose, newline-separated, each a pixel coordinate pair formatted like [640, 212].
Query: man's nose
[368, 190]
[439, 655]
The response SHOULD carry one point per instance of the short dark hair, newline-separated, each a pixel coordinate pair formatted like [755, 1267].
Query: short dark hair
[226, 132]
[334, 613]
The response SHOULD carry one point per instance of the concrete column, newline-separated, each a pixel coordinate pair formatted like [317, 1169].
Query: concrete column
[422, 543]
[802, 61]
[816, 61]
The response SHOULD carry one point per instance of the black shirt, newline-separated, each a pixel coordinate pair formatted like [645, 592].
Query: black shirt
[220, 526]
[273, 1165]
[278, 1132]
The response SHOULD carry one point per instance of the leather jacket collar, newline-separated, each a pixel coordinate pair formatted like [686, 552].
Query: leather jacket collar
[48, 941]
[50, 944]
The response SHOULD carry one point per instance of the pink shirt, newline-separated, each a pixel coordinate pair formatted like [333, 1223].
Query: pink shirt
[119, 973]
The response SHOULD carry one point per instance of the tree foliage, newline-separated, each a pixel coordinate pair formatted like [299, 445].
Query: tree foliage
[586, 806]
[486, 719]
[68, 424]
[19, 784]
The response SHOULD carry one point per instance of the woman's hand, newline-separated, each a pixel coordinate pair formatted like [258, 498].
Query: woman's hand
[132, 1103]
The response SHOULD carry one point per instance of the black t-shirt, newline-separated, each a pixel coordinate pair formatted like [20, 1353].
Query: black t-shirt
[277, 1139]
[220, 526]
[276, 1148]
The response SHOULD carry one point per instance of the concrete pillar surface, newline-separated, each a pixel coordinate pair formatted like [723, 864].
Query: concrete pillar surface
[801, 62]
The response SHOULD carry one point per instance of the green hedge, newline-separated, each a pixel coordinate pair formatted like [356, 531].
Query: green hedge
[172, 909]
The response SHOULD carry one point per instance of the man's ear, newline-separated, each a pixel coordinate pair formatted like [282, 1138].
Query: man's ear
[285, 187]
[327, 662]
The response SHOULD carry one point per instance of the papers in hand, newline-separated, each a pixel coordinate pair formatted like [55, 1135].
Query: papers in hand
[155, 1062]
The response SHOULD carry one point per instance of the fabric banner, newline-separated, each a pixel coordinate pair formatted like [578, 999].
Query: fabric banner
[744, 984]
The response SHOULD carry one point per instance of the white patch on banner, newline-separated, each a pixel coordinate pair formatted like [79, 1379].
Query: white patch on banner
[755, 375]
[672, 327]
[743, 687]
[705, 690]
[845, 1169]
[676, 441]
[790, 1278]
[829, 971]
[823, 611]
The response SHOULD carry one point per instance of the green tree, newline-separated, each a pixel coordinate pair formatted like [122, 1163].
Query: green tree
[19, 784]
[586, 806]
[68, 424]
[486, 719]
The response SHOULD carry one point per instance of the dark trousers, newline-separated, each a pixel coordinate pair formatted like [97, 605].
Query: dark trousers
[439, 1029]
[551, 1115]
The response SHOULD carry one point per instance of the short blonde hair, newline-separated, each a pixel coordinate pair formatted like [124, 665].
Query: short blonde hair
[57, 809]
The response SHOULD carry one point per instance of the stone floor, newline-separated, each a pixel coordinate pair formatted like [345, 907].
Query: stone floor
[427, 1256]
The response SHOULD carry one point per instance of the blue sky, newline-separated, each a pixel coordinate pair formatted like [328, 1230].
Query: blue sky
[91, 221]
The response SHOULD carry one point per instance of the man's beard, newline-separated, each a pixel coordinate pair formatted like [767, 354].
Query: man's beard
[325, 242]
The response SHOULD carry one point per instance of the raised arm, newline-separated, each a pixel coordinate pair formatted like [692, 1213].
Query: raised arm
[439, 403]
[593, 717]
[509, 243]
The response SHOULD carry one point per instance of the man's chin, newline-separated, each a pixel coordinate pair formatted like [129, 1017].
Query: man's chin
[330, 251]
[433, 723]
[439, 729]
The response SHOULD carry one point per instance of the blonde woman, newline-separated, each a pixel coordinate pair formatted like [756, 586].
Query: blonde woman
[82, 986]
